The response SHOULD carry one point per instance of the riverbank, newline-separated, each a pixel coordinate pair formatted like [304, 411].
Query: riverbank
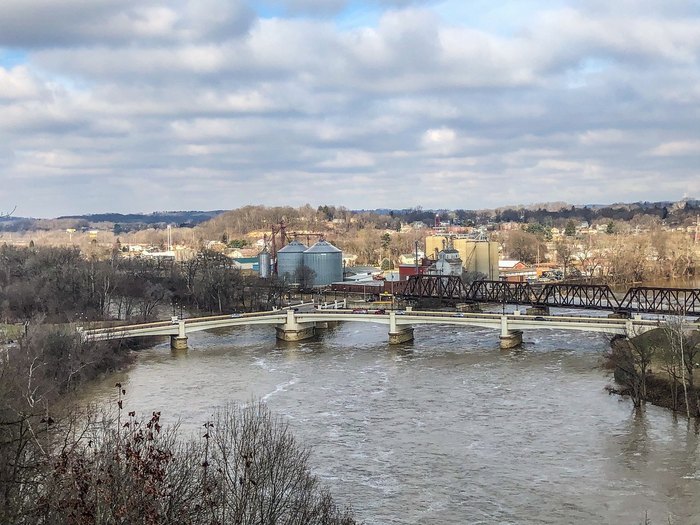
[660, 367]
[659, 392]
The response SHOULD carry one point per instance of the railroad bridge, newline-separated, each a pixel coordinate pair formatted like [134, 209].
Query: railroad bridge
[639, 299]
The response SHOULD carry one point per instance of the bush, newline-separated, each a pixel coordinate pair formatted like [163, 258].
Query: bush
[247, 468]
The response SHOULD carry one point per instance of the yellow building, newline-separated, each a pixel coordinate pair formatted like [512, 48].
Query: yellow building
[477, 256]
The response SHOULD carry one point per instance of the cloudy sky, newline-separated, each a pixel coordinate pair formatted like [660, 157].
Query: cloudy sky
[145, 105]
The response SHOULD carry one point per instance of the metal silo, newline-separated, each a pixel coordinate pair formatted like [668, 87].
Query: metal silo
[326, 261]
[264, 264]
[289, 260]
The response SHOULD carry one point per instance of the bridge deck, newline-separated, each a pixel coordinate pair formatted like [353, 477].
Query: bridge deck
[514, 321]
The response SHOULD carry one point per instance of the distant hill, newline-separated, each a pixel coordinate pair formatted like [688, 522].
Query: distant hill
[181, 218]
[118, 221]
[243, 219]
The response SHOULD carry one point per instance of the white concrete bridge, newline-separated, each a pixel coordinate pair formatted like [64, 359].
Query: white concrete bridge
[297, 324]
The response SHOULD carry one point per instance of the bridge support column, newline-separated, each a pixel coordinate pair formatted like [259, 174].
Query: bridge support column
[398, 335]
[509, 338]
[179, 341]
[537, 310]
[403, 335]
[512, 339]
[291, 330]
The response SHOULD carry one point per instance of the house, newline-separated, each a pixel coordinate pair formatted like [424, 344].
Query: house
[515, 271]
[410, 258]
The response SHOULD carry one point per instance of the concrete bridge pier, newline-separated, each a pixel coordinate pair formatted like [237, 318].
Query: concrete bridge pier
[469, 307]
[620, 315]
[322, 325]
[509, 338]
[537, 310]
[291, 330]
[398, 335]
[179, 341]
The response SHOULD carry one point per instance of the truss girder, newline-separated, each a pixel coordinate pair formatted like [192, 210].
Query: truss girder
[501, 292]
[435, 287]
[674, 301]
[598, 297]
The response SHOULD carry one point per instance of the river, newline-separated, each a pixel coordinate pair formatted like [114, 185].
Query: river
[445, 430]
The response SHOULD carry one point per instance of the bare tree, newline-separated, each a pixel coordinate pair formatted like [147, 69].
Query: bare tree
[682, 359]
[565, 255]
[524, 246]
[246, 469]
[305, 276]
[259, 473]
[630, 361]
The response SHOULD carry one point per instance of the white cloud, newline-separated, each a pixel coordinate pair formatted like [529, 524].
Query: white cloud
[113, 92]
[18, 83]
[348, 160]
[677, 148]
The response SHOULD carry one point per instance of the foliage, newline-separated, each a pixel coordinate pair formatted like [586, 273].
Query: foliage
[570, 229]
[246, 468]
[539, 230]
[237, 243]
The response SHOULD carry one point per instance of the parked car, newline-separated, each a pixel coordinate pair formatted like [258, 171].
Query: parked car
[380, 311]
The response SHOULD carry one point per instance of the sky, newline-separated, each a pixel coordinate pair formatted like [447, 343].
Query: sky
[150, 105]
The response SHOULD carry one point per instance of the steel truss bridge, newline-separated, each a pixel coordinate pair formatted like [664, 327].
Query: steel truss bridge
[639, 299]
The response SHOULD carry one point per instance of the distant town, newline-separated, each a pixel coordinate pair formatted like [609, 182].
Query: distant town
[345, 249]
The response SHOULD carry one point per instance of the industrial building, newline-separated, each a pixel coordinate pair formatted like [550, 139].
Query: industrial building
[477, 255]
[448, 263]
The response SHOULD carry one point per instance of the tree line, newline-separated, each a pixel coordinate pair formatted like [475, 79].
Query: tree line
[60, 285]
[608, 256]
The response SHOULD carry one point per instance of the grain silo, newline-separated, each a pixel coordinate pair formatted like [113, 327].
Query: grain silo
[326, 261]
[264, 264]
[290, 259]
